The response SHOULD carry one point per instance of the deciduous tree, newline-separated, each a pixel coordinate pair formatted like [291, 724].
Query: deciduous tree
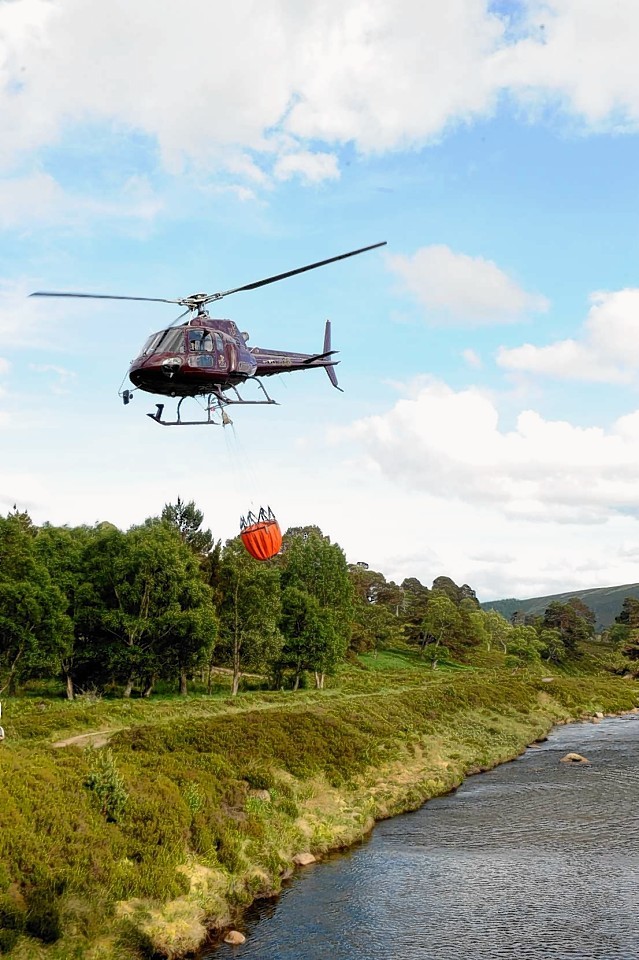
[35, 630]
[249, 611]
[312, 563]
[146, 605]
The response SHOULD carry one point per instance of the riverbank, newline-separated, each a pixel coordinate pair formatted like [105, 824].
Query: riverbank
[220, 802]
[461, 876]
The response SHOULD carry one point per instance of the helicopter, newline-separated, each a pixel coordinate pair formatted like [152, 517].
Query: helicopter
[209, 358]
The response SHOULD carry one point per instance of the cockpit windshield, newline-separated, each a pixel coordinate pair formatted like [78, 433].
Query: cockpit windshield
[165, 341]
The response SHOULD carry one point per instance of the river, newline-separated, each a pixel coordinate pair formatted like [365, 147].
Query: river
[533, 860]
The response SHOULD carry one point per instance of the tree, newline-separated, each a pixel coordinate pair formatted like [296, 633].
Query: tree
[145, 606]
[62, 550]
[442, 621]
[498, 629]
[374, 626]
[310, 640]
[630, 650]
[629, 613]
[551, 645]
[473, 625]
[624, 633]
[453, 592]
[584, 611]
[525, 644]
[416, 597]
[34, 627]
[187, 519]
[573, 627]
[249, 612]
[375, 610]
[312, 563]
[455, 625]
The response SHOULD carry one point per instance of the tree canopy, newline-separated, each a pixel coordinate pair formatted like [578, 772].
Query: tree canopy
[123, 610]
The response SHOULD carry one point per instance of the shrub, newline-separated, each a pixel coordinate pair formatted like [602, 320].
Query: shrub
[258, 776]
[107, 785]
[193, 798]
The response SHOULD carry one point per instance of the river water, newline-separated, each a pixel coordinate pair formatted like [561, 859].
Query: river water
[534, 860]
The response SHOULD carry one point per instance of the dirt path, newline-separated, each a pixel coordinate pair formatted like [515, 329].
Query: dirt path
[96, 738]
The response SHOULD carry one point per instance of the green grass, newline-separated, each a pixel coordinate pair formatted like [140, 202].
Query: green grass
[401, 660]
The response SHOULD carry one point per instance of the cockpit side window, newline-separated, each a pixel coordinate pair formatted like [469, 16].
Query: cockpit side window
[174, 342]
[151, 343]
[219, 343]
[165, 341]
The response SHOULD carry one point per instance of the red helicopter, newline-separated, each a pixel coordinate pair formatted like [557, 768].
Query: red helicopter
[209, 358]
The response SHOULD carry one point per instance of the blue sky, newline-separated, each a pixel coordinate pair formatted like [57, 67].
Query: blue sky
[489, 354]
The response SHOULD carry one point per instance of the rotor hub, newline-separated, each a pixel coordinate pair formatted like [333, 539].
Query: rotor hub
[195, 300]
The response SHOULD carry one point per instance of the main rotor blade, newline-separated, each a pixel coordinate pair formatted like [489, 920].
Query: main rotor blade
[292, 273]
[99, 296]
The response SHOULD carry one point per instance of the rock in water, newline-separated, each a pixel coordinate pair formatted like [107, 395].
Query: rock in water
[574, 758]
[235, 938]
[303, 859]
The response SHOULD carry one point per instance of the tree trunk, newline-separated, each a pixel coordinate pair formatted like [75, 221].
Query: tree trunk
[148, 690]
[183, 686]
[296, 685]
[319, 680]
[128, 690]
[236, 683]
[70, 690]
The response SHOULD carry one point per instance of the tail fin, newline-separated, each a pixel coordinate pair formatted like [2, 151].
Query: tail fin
[330, 370]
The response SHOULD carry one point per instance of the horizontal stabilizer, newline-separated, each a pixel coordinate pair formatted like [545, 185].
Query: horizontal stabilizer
[320, 356]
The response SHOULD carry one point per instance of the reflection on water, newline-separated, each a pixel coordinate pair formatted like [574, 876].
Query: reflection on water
[534, 860]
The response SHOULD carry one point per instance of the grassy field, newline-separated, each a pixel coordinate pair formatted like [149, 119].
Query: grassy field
[193, 807]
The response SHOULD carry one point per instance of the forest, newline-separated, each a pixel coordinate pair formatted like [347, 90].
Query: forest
[119, 612]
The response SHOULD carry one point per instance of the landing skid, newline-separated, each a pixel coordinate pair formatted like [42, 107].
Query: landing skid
[216, 402]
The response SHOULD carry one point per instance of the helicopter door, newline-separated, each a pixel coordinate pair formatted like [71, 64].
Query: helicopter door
[221, 351]
[231, 356]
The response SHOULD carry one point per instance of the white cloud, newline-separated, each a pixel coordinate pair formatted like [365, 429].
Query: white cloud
[607, 351]
[288, 79]
[388, 75]
[39, 199]
[4, 366]
[380, 74]
[311, 167]
[468, 289]
[32, 322]
[580, 53]
[450, 445]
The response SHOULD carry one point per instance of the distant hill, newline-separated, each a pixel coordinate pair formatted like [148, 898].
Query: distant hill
[605, 602]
